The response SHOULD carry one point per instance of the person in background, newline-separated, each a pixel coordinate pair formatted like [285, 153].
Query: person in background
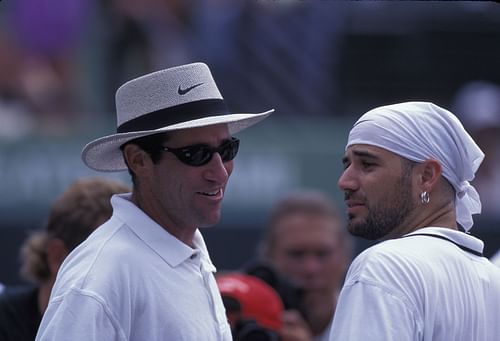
[406, 184]
[146, 273]
[477, 104]
[254, 309]
[79, 210]
[305, 243]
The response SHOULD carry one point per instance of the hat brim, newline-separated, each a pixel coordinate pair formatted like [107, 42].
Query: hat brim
[104, 154]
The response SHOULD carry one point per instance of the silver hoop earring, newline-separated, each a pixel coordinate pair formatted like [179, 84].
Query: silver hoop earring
[425, 197]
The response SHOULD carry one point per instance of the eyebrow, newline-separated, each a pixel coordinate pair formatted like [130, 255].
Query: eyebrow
[361, 154]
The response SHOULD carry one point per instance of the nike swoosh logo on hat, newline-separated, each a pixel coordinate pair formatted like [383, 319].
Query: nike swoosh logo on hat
[186, 90]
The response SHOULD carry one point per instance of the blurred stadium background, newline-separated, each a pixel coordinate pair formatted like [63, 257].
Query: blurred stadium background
[319, 63]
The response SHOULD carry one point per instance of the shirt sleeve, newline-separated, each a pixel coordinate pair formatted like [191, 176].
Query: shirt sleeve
[369, 312]
[78, 316]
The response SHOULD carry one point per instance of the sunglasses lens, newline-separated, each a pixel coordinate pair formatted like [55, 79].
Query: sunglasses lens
[229, 150]
[196, 155]
[200, 154]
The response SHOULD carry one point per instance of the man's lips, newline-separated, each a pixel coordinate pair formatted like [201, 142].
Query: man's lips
[353, 206]
[352, 203]
[213, 194]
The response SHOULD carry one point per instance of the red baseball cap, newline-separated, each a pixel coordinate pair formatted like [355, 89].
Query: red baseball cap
[258, 300]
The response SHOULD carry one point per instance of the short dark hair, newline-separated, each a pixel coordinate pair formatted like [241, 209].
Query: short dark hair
[407, 166]
[151, 144]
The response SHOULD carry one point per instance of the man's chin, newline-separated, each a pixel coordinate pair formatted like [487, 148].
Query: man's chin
[313, 295]
[364, 231]
[356, 226]
[211, 221]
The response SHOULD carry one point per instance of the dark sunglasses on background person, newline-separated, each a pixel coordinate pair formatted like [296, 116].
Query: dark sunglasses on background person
[201, 154]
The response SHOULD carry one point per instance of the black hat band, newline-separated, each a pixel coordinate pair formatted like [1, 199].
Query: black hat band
[173, 115]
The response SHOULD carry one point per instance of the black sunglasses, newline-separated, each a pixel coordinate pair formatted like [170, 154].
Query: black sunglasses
[201, 154]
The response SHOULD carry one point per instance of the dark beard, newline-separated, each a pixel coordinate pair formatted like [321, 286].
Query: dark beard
[385, 216]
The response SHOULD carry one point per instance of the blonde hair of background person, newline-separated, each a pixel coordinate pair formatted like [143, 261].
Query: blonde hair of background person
[306, 242]
[74, 215]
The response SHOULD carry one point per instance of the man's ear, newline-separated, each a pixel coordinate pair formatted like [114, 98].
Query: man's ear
[136, 158]
[430, 173]
[56, 253]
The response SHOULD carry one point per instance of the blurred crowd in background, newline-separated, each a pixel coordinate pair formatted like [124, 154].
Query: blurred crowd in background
[61, 62]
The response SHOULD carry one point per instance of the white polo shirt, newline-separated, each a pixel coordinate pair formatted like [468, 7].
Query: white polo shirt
[421, 288]
[131, 280]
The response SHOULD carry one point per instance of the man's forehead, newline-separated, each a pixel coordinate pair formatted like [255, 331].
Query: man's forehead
[366, 150]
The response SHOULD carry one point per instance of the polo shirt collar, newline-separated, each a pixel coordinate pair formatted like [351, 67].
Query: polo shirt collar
[168, 247]
[458, 237]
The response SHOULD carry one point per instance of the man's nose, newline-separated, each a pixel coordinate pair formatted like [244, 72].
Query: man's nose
[217, 170]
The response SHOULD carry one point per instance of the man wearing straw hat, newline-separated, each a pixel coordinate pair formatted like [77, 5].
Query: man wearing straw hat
[146, 274]
[407, 169]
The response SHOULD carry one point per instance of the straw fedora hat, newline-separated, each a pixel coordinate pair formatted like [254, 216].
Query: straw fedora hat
[177, 98]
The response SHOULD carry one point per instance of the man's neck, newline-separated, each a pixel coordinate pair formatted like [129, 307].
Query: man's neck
[44, 295]
[184, 234]
[319, 308]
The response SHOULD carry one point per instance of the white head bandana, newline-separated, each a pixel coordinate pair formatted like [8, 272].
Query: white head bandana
[420, 131]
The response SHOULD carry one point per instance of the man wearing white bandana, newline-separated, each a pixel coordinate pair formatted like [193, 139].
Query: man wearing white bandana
[407, 169]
